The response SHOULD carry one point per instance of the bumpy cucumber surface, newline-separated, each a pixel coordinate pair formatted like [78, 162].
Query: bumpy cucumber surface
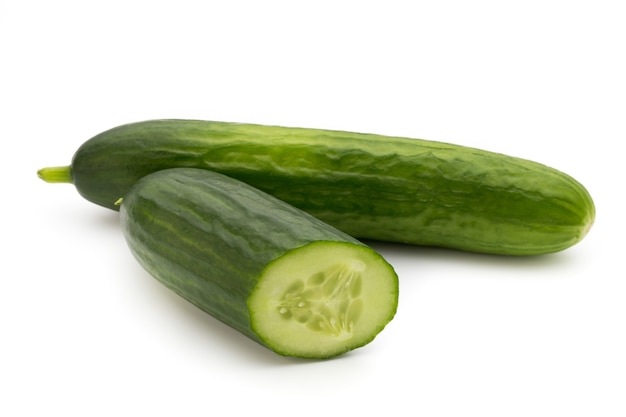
[275, 273]
[369, 186]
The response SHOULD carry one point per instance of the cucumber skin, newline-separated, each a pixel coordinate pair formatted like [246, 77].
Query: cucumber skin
[369, 186]
[208, 238]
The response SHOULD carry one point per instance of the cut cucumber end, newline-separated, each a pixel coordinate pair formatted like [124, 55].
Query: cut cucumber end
[56, 174]
[323, 299]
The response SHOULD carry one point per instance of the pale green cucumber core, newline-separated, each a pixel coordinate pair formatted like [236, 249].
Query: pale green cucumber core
[328, 301]
[323, 298]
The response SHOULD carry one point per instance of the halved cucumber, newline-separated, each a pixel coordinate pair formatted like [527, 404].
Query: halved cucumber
[275, 273]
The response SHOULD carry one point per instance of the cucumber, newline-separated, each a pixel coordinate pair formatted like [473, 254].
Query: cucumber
[271, 271]
[369, 186]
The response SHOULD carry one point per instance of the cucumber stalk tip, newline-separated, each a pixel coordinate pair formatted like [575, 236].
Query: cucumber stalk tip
[61, 174]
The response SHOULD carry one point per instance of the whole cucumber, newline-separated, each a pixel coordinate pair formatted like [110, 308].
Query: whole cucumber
[370, 186]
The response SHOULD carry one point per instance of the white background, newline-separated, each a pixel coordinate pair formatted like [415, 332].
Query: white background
[86, 332]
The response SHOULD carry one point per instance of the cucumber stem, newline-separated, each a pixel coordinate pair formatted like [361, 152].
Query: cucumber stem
[56, 174]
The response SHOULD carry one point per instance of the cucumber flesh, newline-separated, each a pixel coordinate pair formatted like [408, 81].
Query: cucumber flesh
[322, 299]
